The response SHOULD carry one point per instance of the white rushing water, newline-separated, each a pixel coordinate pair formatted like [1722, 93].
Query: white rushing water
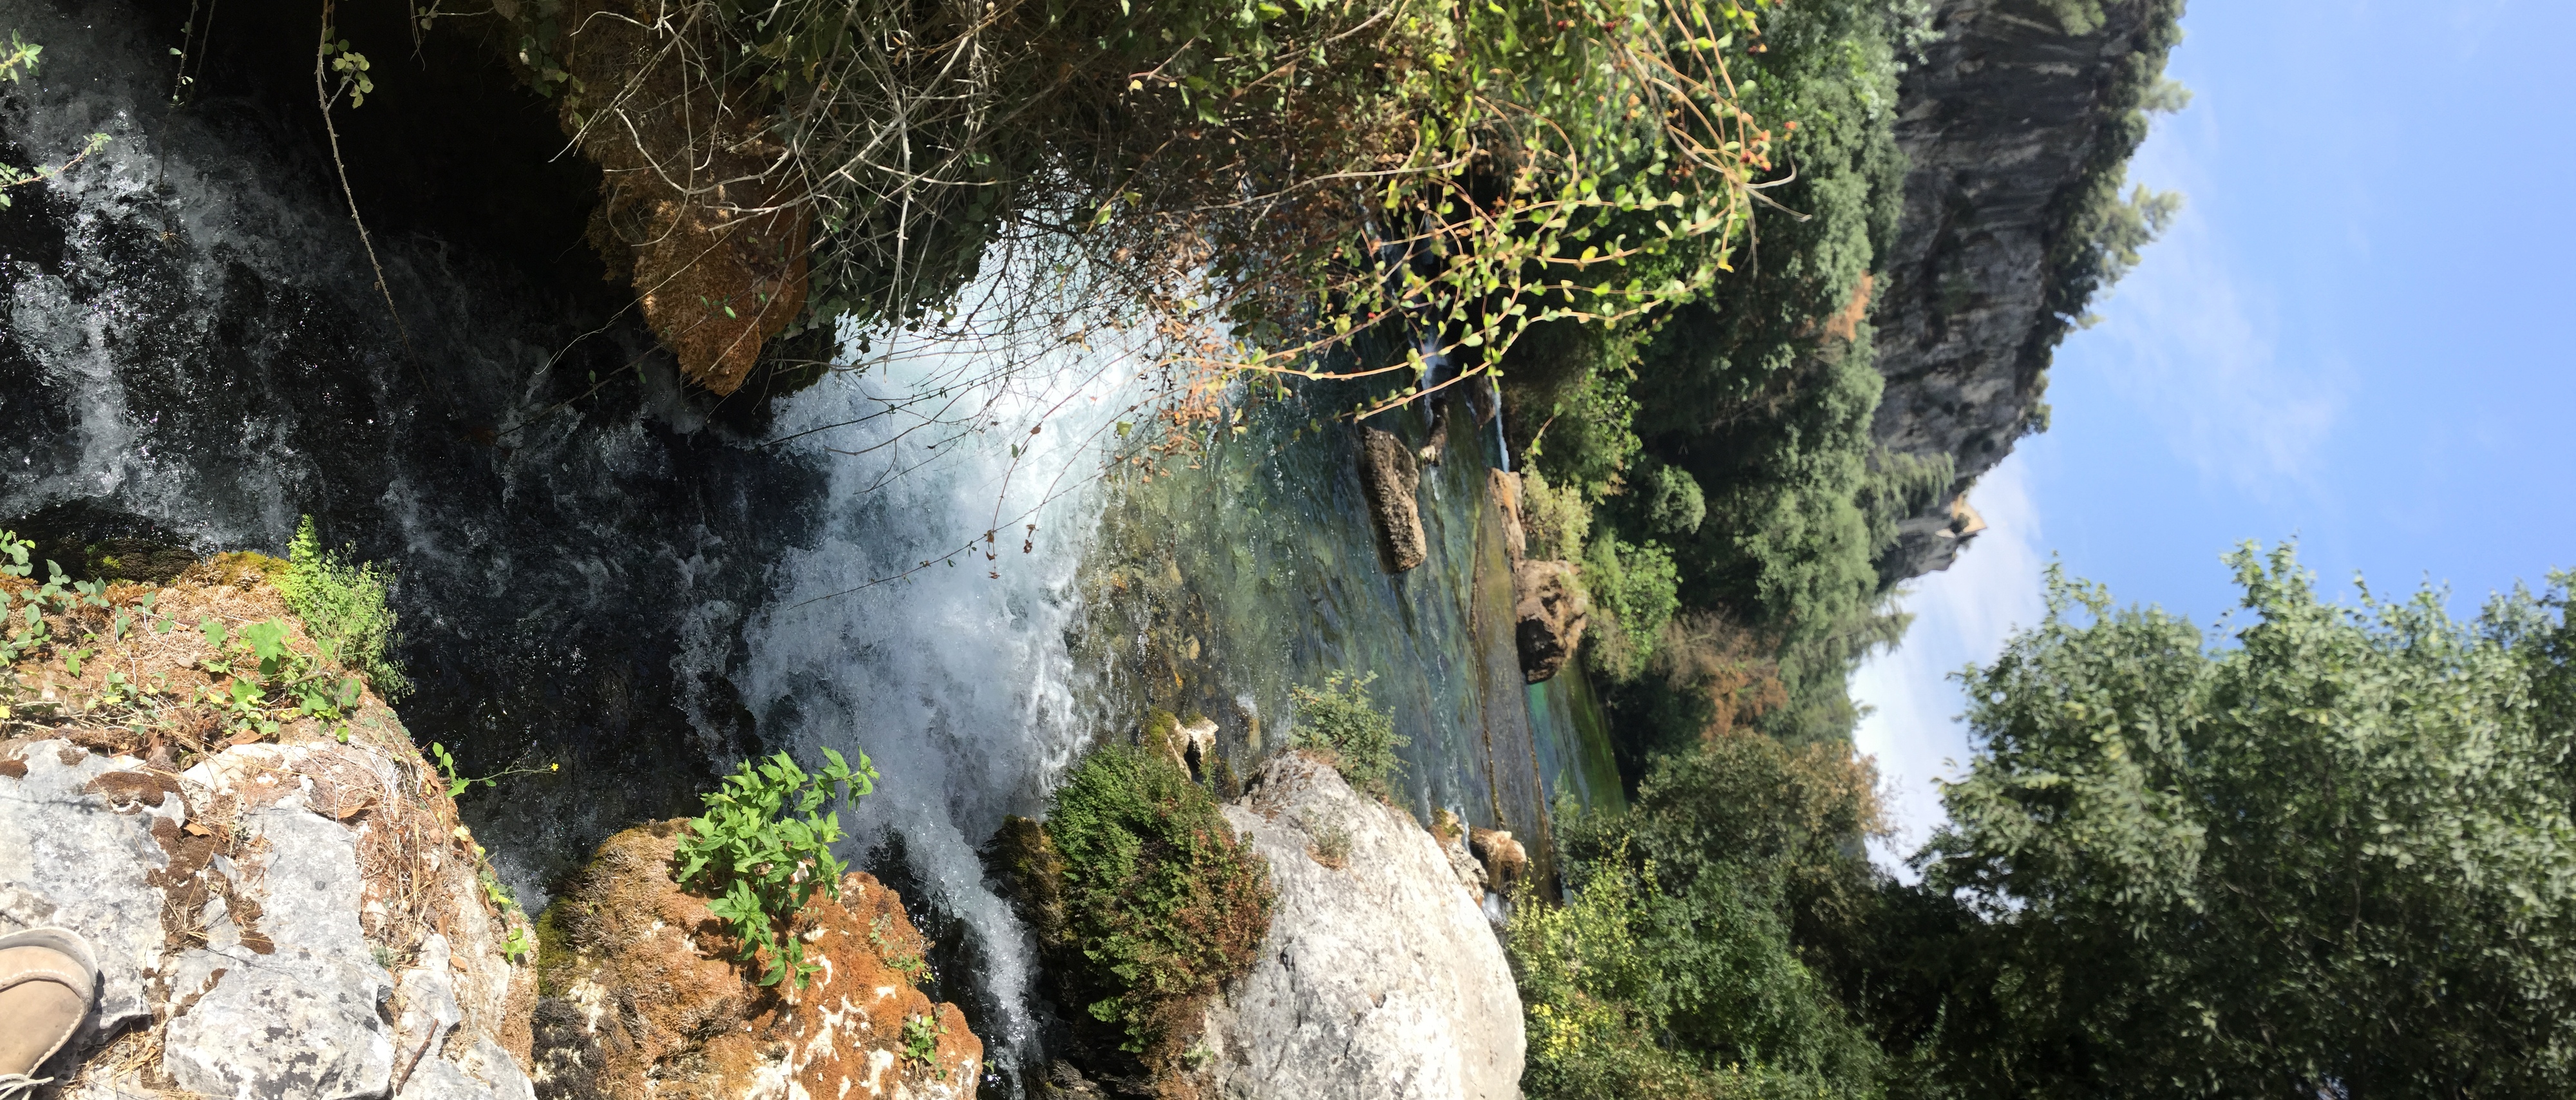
[906, 635]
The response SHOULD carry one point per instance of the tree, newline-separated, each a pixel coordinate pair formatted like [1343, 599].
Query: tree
[2333, 858]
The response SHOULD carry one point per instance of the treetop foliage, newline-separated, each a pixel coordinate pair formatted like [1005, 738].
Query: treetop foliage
[2334, 857]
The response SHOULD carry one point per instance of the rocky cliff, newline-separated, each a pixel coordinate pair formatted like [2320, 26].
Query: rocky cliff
[2017, 120]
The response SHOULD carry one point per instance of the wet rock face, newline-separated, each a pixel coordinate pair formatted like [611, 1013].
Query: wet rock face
[2000, 122]
[245, 924]
[192, 348]
[644, 996]
[1550, 610]
[1394, 483]
[1380, 976]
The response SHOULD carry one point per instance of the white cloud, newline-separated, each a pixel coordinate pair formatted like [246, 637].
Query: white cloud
[2195, 352]
[1962, 615]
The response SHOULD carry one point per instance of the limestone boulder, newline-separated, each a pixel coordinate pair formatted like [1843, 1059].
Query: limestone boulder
[299, 920]
[1380, 977]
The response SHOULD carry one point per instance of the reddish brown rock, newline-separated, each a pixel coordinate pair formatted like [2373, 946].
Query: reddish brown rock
[1394, 483]
[1507, 500]
[1504, 859]
[694, 208]
[1551, 608]
[643, 995]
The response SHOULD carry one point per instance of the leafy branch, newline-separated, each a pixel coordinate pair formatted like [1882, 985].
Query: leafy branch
[764, 847]
[16, 62]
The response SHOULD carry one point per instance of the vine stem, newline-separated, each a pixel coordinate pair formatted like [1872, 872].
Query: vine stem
[324, 96]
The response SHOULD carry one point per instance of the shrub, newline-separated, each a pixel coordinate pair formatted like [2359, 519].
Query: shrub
[761, 865]
[1637, 988]
[1143, 900]
[1679, 964]
[1338, 721]
[1635, 590]
[1557, 522]
[343, 606]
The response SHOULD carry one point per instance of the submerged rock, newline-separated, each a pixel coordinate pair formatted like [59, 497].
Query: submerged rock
[1551, 609]
[1394, 485]
[1380, 976]
[644, 997]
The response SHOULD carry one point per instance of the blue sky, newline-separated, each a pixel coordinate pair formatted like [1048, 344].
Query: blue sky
[2354, 335]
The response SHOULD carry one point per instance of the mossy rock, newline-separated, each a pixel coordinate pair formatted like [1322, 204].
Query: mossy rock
[1144, 902]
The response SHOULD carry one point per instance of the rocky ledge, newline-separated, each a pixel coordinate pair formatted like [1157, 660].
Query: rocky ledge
[642, 996]
[300, 920]
[1380, 976]
[282, 900]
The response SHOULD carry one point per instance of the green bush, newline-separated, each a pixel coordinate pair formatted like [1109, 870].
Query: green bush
[1678, 965]
[1634, 594]
[1672, 501]
[1142, 899]
[1556, 522]
[1339, 721]
[762, 865]
[343, 607]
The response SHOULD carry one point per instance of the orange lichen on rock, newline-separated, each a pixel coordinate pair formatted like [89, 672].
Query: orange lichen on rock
[641, 986]
[696, 207]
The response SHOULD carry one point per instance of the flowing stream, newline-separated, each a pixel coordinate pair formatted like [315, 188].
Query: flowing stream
[601, 568]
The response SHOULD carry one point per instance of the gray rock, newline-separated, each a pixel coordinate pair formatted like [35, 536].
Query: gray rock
[1394, 483]
[427, 994]
[2000, 122]
[483, 1072]
[287, 1003]
[70, 859]
[429, 1014]
[1379, 978]
[303, 1020]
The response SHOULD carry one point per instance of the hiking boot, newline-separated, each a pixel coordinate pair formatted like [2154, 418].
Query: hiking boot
[47, 977]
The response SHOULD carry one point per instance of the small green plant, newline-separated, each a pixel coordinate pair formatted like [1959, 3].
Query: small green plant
[764, 847]
[1339, 721]
[28, 631]
[1333, 844]
[910, 964]
[516, 948]
[343, 605]
[921, 1038]
[458, 784]
[262, 667]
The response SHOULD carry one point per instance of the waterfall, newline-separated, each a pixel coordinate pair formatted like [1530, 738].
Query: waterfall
[901, 631]
[602, 568]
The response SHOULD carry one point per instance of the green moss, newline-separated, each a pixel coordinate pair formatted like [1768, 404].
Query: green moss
[1142, 899]
[551, 953]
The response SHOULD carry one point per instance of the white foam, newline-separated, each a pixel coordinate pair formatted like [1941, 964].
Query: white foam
[954, 677]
